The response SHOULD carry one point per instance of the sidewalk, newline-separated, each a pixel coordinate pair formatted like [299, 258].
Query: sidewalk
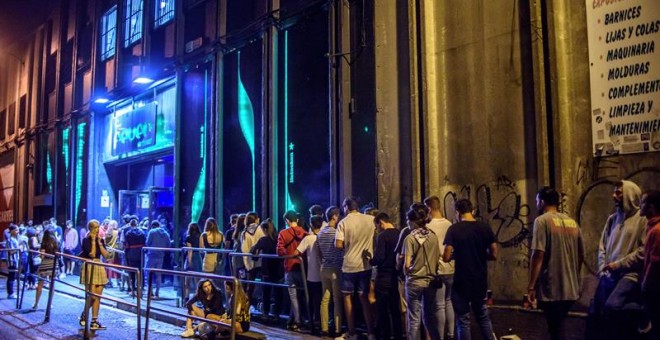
[167, 301]
[524, 323]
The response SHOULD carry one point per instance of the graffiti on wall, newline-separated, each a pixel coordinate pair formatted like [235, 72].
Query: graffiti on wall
[498, 203]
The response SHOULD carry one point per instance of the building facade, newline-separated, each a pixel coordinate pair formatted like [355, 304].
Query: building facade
[187, 109]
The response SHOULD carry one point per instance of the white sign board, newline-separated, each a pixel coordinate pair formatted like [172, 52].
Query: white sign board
[145, 202]
[624, 54]
[105, 201]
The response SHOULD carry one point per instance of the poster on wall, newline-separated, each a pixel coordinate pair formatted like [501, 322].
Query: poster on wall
[624, 57]
[6, 195]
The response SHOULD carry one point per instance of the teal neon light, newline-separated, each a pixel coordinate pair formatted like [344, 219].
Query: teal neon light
[288, 165]
[199, 196]
[246, 121]
[80, 156]
[66, 153]
[49, 173]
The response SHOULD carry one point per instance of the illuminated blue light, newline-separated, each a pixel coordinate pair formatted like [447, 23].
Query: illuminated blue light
[246, 121]
[288, 168]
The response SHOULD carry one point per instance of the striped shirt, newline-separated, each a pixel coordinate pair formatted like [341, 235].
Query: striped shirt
[331, 257]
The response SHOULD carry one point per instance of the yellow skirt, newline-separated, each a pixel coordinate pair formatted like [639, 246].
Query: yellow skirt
[99, 276]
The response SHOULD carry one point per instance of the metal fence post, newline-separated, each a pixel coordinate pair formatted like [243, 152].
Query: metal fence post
[139, 298]
[88, 287]
[18, 275]
[304, 279]
[148, 309]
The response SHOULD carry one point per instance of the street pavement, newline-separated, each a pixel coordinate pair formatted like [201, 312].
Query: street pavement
[68, 303]
[28, 324]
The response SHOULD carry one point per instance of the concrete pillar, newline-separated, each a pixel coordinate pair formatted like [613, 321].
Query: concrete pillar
[387, 79]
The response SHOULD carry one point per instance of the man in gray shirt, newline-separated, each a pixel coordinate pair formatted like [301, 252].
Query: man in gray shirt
[557, 255]
[355, 235]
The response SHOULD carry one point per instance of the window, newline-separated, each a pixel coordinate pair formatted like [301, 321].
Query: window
[132, 22]
[108, 33]
[164, 12]
[3, 124]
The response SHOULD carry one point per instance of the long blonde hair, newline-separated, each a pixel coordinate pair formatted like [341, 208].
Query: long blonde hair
[239, 294]
[211, 228]
[93, 225]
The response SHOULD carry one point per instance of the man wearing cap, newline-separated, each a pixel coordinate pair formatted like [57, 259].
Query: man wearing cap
[12, 260]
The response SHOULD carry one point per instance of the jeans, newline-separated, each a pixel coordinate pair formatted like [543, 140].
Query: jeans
[330, 281]
[314, 303]
[447, 315]
[462, 307]
[615, 308]
[555, 313]
[388, 303]
[294, 281]
[11, 279]
[419, 296]
[267, 291]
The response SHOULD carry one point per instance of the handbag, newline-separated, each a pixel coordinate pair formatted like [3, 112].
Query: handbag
[36, 260]
[436, 279]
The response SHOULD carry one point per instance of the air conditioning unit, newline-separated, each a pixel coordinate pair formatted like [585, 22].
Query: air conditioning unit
[194, 44]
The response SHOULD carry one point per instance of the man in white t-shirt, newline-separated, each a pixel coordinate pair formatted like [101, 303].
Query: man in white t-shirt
[310, 247]
[439, 226]
[355, 235]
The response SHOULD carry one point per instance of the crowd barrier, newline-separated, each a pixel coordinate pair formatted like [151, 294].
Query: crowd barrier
[89, 293]
[139, 278]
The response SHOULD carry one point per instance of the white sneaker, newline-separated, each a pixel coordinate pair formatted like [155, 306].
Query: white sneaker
[347, 336]
[62, 276]
[188, 333]
[371, 337]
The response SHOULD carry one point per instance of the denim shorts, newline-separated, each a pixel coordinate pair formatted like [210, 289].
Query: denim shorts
[355, 282]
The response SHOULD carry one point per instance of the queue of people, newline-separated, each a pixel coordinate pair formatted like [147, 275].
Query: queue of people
[423, 281]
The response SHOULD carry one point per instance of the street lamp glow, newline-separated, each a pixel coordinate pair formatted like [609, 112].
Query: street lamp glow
[143, 80]
[101, 100]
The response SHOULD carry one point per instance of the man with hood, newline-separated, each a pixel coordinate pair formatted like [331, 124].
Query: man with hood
[249, 238]
[620, 257]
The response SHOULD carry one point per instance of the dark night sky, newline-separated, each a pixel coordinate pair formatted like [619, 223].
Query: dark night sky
[19, 18]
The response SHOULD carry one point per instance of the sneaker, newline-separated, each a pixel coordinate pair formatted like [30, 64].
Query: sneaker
[644, 327]
[81, 320]
[188, 333]
[347, 336]
[12, 296]
[96, 325]
[62, 276]
[293, 327]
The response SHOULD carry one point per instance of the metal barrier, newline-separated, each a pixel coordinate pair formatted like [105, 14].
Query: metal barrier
[9, 252]
[273, 256]
[183, 288]
[88, 293]
[27, 274]
[189, 274]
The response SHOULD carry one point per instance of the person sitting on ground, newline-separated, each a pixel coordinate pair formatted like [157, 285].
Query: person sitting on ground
[212, 305]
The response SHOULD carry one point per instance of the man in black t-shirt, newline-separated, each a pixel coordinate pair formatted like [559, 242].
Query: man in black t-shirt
[470, 243]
